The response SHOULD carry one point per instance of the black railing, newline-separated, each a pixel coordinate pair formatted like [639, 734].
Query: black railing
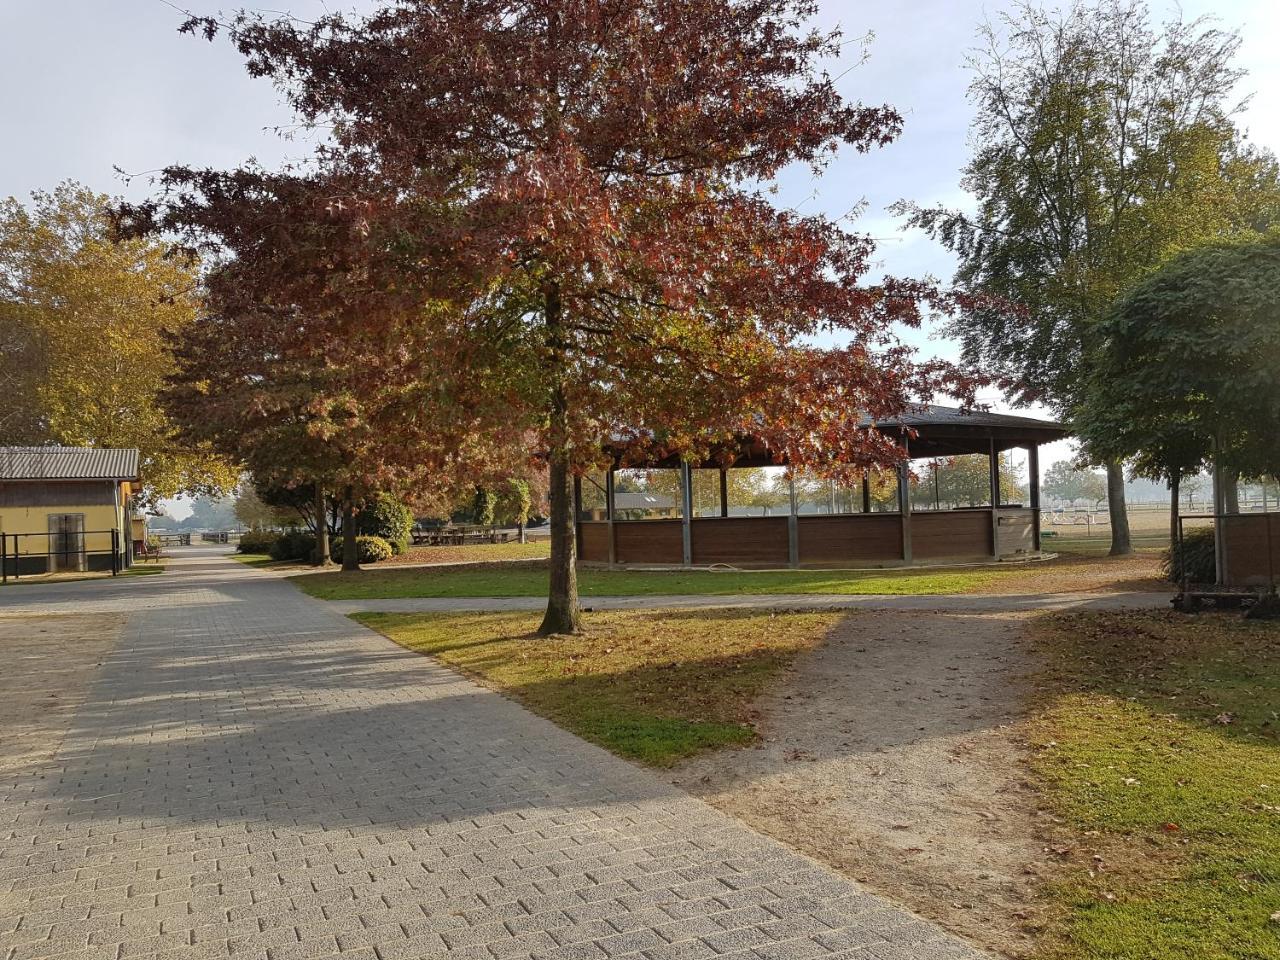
[64, 552]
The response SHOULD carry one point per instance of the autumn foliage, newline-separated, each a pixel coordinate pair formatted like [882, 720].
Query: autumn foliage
[552, 219]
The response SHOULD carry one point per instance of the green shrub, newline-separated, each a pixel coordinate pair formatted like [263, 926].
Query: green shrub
[293, 546]
[368, 549]
[388, 518]
[256, 542]
[1196, 556]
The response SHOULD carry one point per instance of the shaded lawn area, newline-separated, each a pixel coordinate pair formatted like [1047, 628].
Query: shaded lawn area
[260, 560]
[531, 581]
[1158, 742]
[652, 686]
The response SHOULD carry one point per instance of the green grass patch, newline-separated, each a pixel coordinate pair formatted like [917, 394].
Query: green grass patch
[1159, 743]
[522, 581]
[652, 686]
[260, 560]
[142, 570]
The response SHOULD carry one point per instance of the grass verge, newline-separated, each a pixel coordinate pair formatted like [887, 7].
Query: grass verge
[522, 581]
[652, 686]
[1159, 745]
[259, 560]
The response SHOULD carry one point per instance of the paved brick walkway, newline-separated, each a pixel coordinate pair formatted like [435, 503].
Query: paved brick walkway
[252, 775]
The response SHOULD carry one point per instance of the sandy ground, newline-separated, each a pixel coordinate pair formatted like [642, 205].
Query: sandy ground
[892, 754]
[49, 662]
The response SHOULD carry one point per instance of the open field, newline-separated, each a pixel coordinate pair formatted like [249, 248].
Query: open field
[652, 686]
[1089, 532]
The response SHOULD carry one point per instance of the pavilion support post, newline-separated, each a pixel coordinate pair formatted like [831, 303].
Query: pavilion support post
[686, 512]
[904, 508]
[793, 527]
[1219, 508]
[724, 492]
[609, 511]
[866, 492]
[577, 516]
[1033, 480]
[994, 462]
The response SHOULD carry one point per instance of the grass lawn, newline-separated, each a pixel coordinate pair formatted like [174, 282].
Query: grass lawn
[652, 686]
[520, 581]
[259, 559]
[142, 570]
[1158, 743]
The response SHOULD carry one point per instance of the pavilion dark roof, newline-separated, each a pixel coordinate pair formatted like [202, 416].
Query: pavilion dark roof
[68, 463]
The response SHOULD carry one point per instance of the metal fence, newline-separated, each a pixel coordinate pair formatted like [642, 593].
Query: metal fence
[63, 551]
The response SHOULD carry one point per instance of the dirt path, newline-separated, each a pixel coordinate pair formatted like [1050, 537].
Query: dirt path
[49, 662]
[890, 754]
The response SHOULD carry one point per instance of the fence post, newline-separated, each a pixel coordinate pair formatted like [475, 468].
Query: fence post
[16, 564]
[115, 551]
[4, 557]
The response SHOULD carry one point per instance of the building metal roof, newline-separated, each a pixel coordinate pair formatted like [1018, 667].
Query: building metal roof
[68, 463]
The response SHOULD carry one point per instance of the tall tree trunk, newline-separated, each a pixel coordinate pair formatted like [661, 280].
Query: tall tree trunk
[563, 613]
[350, 549]
[321, 509]
[520, 532]
[1121, 543]
[1231, 490]
[1175, 508]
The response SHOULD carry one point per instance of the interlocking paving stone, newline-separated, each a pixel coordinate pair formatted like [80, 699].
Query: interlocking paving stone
[254, 777]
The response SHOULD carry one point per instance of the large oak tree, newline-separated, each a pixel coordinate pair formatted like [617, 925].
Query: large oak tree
[561, 209]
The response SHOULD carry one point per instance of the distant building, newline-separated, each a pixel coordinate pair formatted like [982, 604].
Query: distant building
[67, 509]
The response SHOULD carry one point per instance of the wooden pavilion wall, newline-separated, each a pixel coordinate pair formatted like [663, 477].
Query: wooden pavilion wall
[1246, 541]
[822, 540]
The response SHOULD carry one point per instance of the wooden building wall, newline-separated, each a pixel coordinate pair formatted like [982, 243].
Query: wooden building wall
[1245, 541]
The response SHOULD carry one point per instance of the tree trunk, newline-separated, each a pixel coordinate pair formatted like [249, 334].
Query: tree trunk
[1121, 543]
[520, 532]
[1231, 491]
[321, 557]
[1175, 508]
[563, 613]
[350, 549]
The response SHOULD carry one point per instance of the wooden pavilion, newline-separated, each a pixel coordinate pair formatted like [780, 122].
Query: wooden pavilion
[852, 535]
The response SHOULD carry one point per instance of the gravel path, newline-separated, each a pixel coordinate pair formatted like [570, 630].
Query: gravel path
[252, 775]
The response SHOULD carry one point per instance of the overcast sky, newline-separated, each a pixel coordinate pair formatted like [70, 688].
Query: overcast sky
[93, 85]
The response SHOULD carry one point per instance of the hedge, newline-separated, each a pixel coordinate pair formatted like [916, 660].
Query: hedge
[368, 549]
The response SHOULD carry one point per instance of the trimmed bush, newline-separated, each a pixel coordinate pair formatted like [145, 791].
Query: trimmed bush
[1197, 554]
[368, 549]
[256, 542]
[388, 518]
[293, 546]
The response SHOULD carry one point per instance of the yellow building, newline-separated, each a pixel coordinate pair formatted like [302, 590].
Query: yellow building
[66, 509]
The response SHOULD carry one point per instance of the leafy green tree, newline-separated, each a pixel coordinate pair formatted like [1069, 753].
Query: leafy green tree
[384, 516]
[1068, 482]
[965, 481]
[1102, 145]
[84, 322]
[1186, 372]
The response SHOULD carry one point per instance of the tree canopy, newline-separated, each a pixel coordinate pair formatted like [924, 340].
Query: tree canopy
[1188, 359]
[84, 323]
[553, 220]
[1102, 145]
